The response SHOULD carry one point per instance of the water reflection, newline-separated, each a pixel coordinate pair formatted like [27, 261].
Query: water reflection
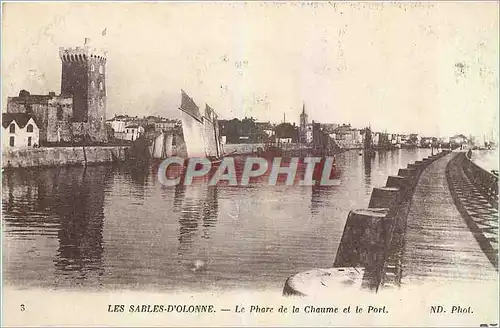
[487, 159]
[179, 194]
[139, 175]
[319, 196]
[118, 227]
[367, 165]
[210, 211]
[66, 204]
[198, 208]
[80, 234]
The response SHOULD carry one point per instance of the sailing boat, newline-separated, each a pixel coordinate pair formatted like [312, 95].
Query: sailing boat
[368, 146]
[162, 146]
[201, 132]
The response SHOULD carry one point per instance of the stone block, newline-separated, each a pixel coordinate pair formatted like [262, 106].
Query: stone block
[384, 197]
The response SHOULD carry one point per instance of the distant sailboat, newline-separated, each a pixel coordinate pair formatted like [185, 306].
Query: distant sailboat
[162, 146]
[201, 133]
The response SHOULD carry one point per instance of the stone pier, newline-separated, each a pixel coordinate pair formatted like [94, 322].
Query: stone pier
[372, 240]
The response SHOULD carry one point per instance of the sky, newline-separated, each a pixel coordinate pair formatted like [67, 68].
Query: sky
[428, 68]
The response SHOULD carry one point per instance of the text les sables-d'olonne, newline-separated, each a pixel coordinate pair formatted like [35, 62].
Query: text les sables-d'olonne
[256, 309]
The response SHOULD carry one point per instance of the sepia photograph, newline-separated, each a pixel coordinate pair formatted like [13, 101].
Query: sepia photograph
[233, 163]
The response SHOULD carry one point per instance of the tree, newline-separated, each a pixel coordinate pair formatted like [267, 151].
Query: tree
[286, 130]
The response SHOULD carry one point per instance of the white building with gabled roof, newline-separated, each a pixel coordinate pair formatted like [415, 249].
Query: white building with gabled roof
[19, 130]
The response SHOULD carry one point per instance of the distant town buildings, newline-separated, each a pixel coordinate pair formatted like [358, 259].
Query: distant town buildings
[132, 132]
[267, 128]
[165, 124]
[345, 135]
[459, 139]
[247, 130]
[117, 125]
[19, 130]
[129, 128]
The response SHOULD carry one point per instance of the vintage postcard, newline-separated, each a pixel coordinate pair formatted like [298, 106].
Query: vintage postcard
[250, 164]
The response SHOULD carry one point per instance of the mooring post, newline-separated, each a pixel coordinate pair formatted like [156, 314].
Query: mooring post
[84, 156]
[414, 166]
[397, 181]
[384, 197]
[363, 243]
[409, 173]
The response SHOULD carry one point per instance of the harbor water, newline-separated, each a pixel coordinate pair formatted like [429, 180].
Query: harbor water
[487, 159]
[105, 227]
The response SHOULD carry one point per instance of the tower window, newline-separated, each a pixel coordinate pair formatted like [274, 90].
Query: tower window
[92, 84]
[92, 67]
[101, 69]
[59, 113]
[29, 128]
[12, 128]
[101, 102]
[101, 86]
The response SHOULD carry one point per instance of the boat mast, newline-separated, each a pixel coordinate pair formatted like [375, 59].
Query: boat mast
[216, 137]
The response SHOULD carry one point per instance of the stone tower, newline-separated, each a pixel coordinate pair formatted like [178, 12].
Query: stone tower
[84, 78]
[303, 117]
[303, 124]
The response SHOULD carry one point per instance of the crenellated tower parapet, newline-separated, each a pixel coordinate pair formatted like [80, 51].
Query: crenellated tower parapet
[81, 54]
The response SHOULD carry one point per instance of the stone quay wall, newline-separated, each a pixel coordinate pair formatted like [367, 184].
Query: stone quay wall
[241, 149]
[370, 250]
[60, 156]
[250, 148]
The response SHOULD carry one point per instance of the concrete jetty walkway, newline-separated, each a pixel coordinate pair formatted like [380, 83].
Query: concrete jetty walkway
[439, 246]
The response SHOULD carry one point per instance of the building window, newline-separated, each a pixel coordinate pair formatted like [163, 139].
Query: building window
[29, 141]
[29, 128]
[92, 84]
[101, 69]
[101, 86]
[12, 128]
[29, 110]
[92, 67]
[101, 102]
[59, 113]
[11, 141]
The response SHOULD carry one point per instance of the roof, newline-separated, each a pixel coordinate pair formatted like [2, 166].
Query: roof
[20, 118]
[27, 98]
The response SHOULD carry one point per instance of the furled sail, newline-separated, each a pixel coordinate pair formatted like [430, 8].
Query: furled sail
[168, 144]
[201, 133]
[192, 127]
[158, 146]
[208, 132]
